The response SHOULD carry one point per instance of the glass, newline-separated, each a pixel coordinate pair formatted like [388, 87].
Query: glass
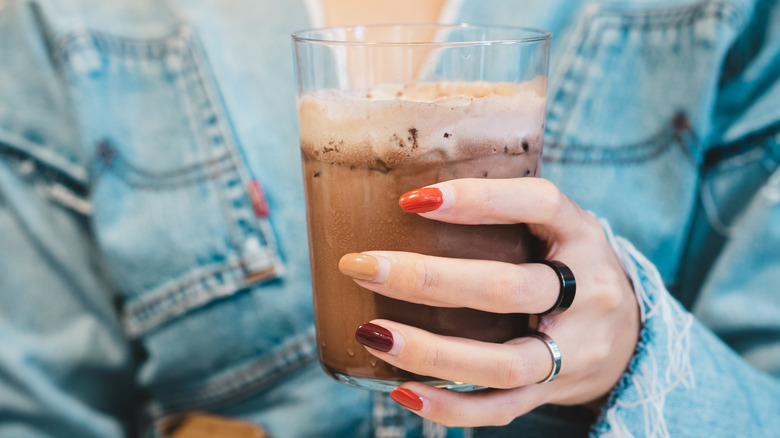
[383, 110]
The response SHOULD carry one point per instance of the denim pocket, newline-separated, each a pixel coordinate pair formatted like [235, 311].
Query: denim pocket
[177, 216]
[629, 111]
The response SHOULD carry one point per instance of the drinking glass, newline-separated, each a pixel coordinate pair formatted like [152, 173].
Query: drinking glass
[383, 110]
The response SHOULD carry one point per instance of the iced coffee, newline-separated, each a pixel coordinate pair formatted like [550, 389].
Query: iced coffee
[361, 150]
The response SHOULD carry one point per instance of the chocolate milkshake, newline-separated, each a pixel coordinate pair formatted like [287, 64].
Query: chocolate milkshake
[361, 151]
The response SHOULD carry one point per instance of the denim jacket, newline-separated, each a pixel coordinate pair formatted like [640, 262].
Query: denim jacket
[153, 255]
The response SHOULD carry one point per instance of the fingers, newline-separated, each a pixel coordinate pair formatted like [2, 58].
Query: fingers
[500, 201]
[510, 370]
[524, 361]
[596, 336]
[468, 409]
[478, 284]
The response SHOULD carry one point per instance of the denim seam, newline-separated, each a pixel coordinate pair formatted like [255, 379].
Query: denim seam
[755, 149]
[55, 184]
[148, 48]
[224, 137]
[250, 237]
[47, 171]
[737, 154]
[591, 34]
[238, 382]
[68, 170]
[199, 287]
[144, 179]
[635, 153]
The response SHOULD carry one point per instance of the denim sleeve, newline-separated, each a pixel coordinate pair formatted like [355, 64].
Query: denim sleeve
[65, 366]
[684, 380]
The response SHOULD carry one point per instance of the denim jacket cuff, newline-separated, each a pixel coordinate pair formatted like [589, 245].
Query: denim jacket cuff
[662, 360]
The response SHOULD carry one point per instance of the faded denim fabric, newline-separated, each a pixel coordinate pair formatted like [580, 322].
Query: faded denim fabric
[142, 277]
[664, 119]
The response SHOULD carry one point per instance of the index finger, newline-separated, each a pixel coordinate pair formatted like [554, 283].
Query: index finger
[500, 201]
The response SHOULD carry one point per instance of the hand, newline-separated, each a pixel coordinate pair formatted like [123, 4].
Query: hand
[596, 336]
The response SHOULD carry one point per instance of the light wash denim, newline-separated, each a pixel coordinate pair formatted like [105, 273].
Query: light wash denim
[141, 277]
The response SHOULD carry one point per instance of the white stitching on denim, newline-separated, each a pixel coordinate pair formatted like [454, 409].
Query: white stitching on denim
[591, 28]
[237, 382]
[67, 198]
[199, 287]
[652, 381]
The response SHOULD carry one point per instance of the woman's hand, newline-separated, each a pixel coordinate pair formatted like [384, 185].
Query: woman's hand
[596, 336]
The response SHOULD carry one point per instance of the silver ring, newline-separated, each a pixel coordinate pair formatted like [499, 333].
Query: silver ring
[556, 355]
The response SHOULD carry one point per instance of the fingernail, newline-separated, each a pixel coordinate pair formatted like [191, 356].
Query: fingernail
[364, 266]
[407, 398]
[360, 266]
[374, 336]
[421, 200]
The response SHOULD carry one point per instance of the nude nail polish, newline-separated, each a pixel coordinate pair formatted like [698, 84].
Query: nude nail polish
[421, 200]
[360, 266]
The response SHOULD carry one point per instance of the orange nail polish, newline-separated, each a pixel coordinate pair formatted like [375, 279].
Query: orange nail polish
[407, 398]
[421, 200]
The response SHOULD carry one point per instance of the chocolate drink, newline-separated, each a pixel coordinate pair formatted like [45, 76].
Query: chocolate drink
[360, 153]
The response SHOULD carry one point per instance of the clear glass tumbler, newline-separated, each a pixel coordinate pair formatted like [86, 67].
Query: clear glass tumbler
[383, 110]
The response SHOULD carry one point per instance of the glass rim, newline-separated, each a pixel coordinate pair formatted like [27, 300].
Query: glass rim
[535, 35]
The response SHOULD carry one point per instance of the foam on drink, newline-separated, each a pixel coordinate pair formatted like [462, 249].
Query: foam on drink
[422, 122]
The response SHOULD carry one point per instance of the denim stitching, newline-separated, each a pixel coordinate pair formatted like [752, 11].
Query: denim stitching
[157, 48]
[224, 169]
[48, 172]
[635, 153]
[199, 286]
[238, 382]
[110, 158]
[733, 158]
[155, 307]
[575, 69]
[223, 137]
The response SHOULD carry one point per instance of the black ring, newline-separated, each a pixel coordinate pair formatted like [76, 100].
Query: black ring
[568, 287]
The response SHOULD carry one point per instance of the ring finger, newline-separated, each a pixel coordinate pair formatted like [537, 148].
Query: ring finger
[520, 362]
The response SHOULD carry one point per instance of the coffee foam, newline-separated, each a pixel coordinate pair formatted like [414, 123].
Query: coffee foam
[398, 123]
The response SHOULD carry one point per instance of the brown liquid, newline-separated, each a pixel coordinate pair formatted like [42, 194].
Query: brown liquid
[356, 164]
[353, 209]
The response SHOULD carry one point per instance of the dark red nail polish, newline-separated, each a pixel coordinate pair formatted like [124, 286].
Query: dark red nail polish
[374, 336]
[421, 200]
[407, 398]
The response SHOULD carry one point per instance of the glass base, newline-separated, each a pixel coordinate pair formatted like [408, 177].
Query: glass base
[389, 385]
